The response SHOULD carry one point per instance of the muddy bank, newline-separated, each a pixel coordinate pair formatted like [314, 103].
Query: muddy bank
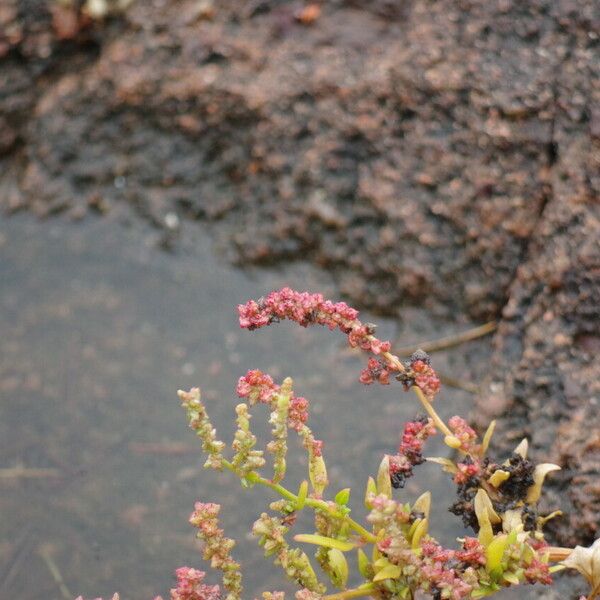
[420, 152]
[543, 381]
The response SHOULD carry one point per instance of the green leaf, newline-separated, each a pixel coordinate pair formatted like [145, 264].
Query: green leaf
[371, 489]
[512, 578]
[363, 563]
[484, 591]
[452, 442]
[512, 523]
[447, 465]
[339, 567]
[493, 555]
[487, 437]
[522, 448]
[419, 532]
[327, 542]
[384, 484]
[498, 478]
[317, 472]
[486, 534]
[539, 474]
[557, 568]
[389, 572]
[302, 493]
[381, 562]
[423, 504]
[342, 497]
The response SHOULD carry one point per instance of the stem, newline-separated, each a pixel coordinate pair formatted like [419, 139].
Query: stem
[367, 535]
[431, 411]
[354, 593]
[392, 358]
[312, 502]
[557, 553]
[450, 341]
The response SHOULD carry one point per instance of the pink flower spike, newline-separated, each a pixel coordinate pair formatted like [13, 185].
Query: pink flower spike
[257, 387]
[190, 586]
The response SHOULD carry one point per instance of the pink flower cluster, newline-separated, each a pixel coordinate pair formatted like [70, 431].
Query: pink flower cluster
[298, 413]
[302, 307]
[447, 581]
[257, 387]
[190, 586]
[376, 370]
[440, 572]
[260, 387]
[414, 436]
[410, 450]
[426, 378]
[467, 436]
[467, 469]
[307, 309]
[433, 550]
[436, 570]
[473, 552]
[205, 517]
[419, 372]
[538, 572]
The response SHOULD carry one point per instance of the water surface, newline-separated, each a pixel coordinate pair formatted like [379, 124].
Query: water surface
[99, 329]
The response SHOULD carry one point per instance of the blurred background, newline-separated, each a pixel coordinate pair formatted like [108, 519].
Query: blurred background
[434, 163]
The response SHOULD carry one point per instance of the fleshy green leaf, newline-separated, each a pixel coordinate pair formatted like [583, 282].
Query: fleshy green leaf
[339, 567]
[486, 534]
[452, 442]
[302, 493]
[522, 448]
[447, 465]
[384, 485]
[342, 497]
[318, 474]
[493, 555]
[487, 438]
[498, 478]
[420, 531]
[484, 590]
[539, 474]
[512, 578]
[321, 540]
[363, 563]
[389, 572]
[423, 504]
[371, 489]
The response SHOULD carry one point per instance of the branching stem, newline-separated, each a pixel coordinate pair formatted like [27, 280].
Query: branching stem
[353, 593]
[312, 502]
[431, 411]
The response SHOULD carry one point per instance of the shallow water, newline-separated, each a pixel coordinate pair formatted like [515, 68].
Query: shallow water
[99, 329]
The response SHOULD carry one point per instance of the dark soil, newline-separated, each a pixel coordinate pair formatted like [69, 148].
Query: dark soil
[441, 154]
